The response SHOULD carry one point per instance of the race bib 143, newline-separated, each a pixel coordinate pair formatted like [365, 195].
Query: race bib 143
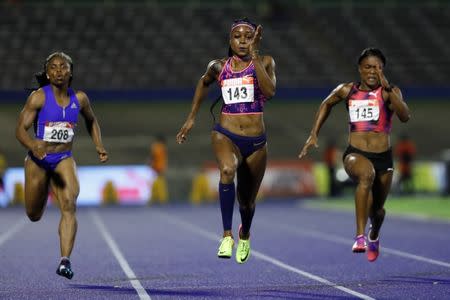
[238, 90]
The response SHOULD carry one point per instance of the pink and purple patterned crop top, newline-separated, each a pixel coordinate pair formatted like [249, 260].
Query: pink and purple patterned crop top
[368, 111]
[240, 90]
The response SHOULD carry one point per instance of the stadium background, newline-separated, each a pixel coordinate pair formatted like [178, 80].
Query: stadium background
[140, 60]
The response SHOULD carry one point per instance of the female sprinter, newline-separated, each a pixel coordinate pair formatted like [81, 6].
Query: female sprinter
[53, 110]
[368, 158]
[247, 81]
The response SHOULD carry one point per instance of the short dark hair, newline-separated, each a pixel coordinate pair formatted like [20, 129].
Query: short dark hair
[372, 52]
[41, 77]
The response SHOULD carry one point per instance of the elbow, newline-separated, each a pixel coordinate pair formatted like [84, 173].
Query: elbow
[405, 118]
[18, 135]
[269, 93]
[90, 123]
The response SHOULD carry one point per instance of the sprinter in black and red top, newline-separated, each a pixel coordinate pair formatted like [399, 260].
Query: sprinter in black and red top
[368, 158]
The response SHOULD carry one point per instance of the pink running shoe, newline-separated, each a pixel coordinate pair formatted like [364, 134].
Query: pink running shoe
[360, 244]
[373, 248]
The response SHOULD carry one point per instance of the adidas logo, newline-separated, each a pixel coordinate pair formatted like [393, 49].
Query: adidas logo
[73, 105]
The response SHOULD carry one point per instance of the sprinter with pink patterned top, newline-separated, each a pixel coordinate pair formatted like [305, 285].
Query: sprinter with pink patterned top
[368, 158]
[247, 80]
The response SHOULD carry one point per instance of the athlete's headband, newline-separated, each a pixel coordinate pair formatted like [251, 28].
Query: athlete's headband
[242, 23]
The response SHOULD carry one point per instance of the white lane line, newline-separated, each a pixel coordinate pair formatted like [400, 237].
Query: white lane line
[211, 236]
[142, 293]
[340, 240]
[12, 231]
[403, 216]
[309, 275]
[416, 257]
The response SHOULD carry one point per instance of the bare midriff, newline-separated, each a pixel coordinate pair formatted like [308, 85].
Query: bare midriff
[245, 125]
[376, 142]
[58, 147]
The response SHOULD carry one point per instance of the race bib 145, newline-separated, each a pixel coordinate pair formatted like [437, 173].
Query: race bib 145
[363, 110]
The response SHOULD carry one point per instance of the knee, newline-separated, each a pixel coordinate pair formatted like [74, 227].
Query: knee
[367, 179]
[33, 216]
[247, 206]
[227, 173]
[68, 206]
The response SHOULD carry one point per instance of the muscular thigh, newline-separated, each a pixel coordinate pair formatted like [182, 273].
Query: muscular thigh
[64, 181]
[227, 153]
[256, 162]
[250, 175]
[36, 184]
[381, 186]
[357, 166]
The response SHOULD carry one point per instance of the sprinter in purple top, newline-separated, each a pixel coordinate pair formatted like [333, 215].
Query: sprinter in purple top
[247, 80]
[240, 90]
[53, 111]
[56, 123]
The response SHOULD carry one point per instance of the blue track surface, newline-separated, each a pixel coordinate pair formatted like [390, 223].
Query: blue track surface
[169, 252]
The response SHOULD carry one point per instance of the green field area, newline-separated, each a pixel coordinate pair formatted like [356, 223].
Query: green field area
[428, 207]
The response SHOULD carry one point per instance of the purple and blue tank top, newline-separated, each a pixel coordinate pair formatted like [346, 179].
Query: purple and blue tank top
[55, 123]
[240, 90]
